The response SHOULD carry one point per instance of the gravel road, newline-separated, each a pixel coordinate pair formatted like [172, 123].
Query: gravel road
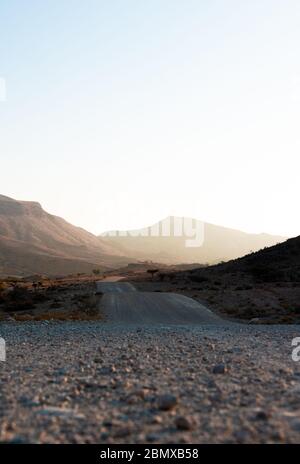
[115, 287]
[92, 382]
[122, 304]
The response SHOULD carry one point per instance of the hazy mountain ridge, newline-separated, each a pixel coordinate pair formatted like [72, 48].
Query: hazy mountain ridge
[34, 241]
[220, 243]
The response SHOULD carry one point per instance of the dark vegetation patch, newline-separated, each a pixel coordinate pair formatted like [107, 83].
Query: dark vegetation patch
[49, 301]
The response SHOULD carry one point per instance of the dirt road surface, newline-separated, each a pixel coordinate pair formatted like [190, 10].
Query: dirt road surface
[123, 305]
[163, 382]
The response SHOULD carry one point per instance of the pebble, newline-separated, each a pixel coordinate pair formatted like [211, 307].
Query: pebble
[166, 402]
[184, 423]
[220, 369]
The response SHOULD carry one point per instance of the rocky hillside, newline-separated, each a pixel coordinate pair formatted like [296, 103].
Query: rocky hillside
[33, 241]
[263, 286]
[280, 263]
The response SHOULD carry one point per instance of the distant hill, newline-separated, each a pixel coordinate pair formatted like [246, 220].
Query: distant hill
[220, 243]
[280, 263]
[263, 287]
[33, 241]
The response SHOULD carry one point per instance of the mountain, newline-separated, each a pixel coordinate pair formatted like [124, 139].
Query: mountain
[280, 263]
[35, 242]
[263, 287]
[179, 240]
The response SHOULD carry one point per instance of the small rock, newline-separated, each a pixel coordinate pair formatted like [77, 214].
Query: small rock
[255, 320]
[156, 420]
[152, 437]
[184, 423]
[166, 402]
[295, 425]
[122, 432]
[242, 436]
[60, 372]
[28, 402]
[107, 370]
[262, 415]
[220, 369]
[141, 393]
[107, 423]
[104, 436]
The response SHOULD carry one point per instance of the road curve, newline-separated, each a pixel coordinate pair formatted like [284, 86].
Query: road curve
[115, 287]
[122, 304]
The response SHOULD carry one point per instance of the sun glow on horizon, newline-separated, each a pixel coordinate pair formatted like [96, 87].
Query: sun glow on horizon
[118, 115]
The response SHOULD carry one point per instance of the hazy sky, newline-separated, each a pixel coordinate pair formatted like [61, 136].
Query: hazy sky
[121, 112]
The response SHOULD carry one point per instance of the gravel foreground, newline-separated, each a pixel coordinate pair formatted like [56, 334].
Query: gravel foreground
[89, 382]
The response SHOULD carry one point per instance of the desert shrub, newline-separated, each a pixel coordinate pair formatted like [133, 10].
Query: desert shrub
[53, 288]
[19, 306]
[198, 278]
[296, 308]
[55, 305]
[162, 276]
[171, 276]
[39, 297]
[18, 294]
[294, 276]
[266, 273]
[19, 299]
[152, 272]
[87, 302]
[2, 287]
